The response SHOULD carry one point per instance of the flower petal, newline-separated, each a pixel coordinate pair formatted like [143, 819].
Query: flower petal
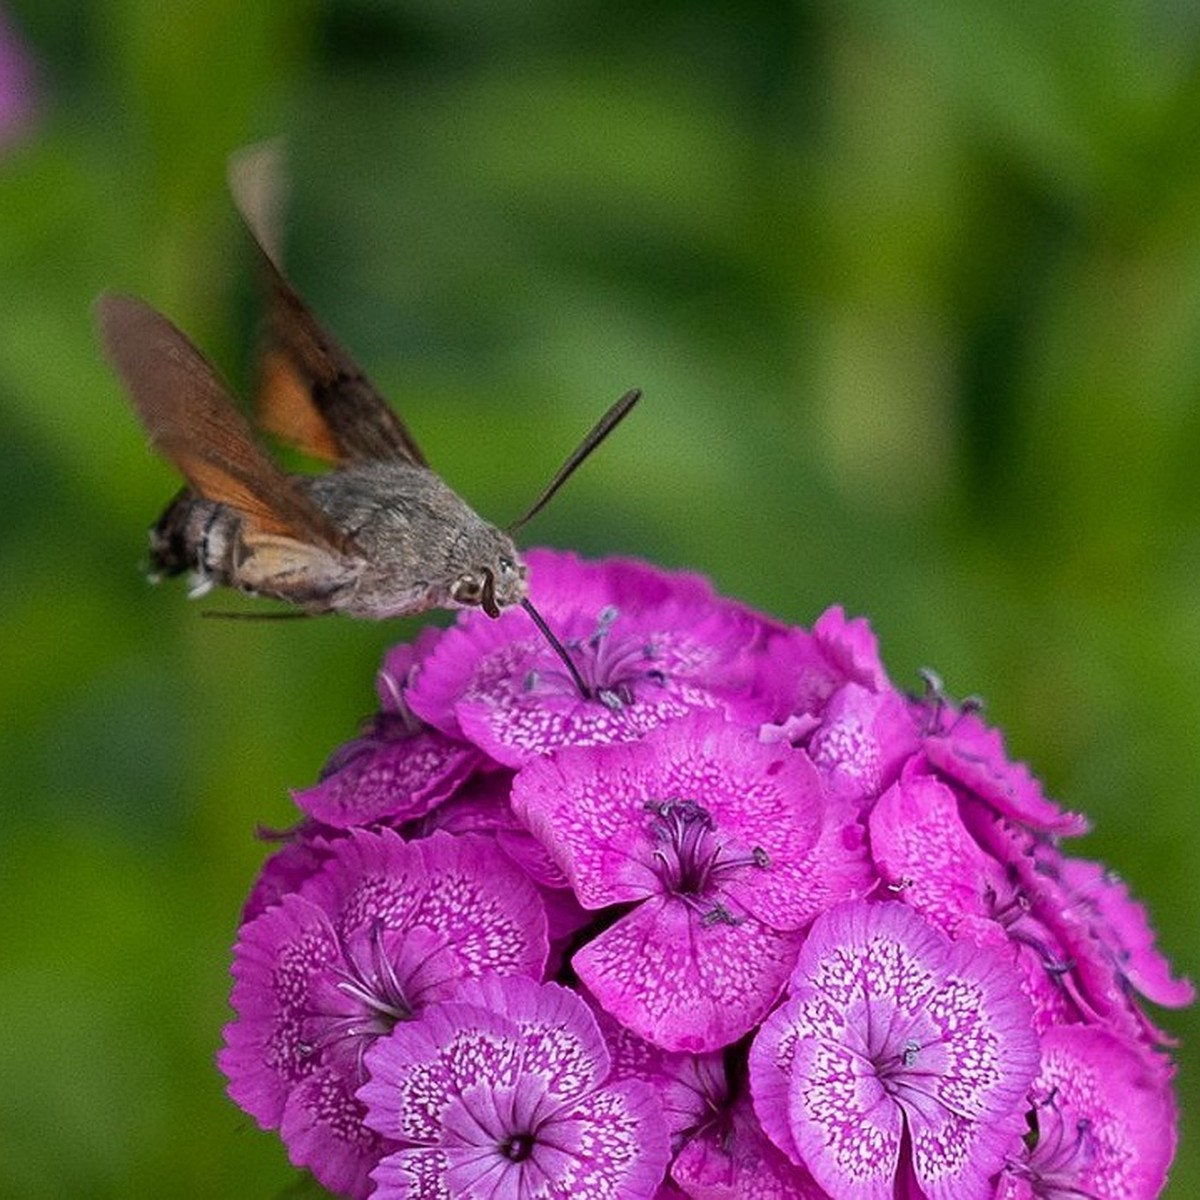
[890, 1025]
[923, 850]
[278, 962]
[683, 984]
[1114, 1104]
[323, 1130]
[390, 779]
[973, 754]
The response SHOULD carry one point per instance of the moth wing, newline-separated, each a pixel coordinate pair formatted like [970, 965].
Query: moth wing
[191, 419]
[311, 393]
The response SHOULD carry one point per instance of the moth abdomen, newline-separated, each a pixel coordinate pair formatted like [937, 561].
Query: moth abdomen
[192, 535]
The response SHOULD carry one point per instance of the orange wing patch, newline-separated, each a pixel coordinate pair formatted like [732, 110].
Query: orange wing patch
[285, 408]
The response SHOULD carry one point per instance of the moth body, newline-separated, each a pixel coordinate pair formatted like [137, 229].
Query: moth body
[417, 546]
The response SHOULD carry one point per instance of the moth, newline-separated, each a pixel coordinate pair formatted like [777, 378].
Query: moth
[378, 535]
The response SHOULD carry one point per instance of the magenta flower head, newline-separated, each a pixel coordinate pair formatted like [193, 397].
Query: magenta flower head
[895, 1041]
[693, 906]
[726, 850]
[380, 931]
[503, 1094]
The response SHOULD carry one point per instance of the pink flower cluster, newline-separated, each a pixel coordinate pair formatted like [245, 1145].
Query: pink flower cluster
[728, 915]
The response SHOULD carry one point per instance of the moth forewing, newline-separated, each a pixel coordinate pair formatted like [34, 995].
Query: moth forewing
[191, 419]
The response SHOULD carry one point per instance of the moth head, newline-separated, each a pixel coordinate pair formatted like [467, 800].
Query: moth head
[491, 587]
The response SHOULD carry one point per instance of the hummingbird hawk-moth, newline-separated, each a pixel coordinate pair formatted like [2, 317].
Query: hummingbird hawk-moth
[379, 535]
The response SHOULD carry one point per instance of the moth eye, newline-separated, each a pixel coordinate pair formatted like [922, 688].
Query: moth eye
[506, 566]
[466, 590]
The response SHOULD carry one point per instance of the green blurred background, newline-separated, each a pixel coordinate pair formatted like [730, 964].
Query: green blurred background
[913, 290]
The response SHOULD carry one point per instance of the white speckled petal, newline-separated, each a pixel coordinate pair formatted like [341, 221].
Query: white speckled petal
[890, 1023]
[684, 984]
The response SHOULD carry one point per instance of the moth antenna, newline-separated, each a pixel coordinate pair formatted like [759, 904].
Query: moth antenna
[557, 647]
[607, 423]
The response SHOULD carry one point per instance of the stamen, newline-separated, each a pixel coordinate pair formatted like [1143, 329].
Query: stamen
[389, 683]
[691, 860]
[602, 665]
[604, 622]
[1015, 915]
[719, 915]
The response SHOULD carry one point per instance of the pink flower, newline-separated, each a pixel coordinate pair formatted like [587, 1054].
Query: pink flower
[1103, 1123]
[896, 1049]
[724, 847]
[504, 1094]
[379, 932]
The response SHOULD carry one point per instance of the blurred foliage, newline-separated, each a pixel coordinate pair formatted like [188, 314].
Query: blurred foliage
[913, 290]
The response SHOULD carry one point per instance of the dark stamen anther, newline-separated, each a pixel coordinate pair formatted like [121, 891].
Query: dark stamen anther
[557, 647]
[719, 915]
[603, 624]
